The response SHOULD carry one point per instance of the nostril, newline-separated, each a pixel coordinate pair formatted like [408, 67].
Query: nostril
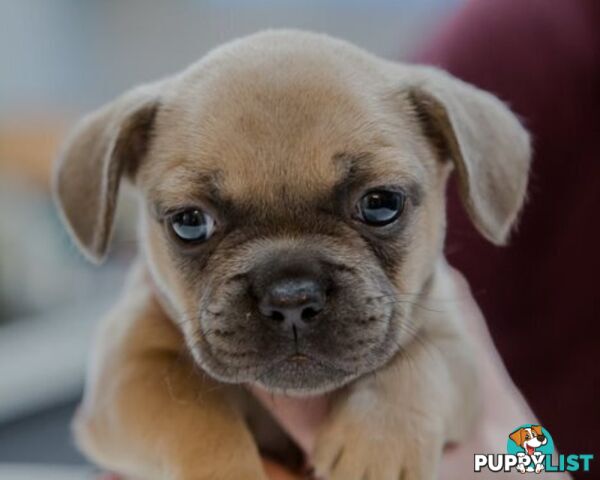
[277, 316]
[309, 313]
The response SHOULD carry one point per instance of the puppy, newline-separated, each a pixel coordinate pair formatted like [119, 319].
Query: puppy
[291, 224]
[529, 439]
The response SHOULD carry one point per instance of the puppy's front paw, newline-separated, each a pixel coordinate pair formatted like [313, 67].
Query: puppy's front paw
[223, 472]
[224, 463]
[376, 449]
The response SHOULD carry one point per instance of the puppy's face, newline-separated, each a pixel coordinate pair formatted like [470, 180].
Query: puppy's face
[292, 207]
[292, 233]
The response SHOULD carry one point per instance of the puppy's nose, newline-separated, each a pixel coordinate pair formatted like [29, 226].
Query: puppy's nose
[293, 302]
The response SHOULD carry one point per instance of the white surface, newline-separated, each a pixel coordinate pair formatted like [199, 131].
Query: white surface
[43, 472]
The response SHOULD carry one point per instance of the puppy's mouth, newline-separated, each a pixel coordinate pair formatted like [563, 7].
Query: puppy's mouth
[291, 371]
[298, 358]
[303, 365]
[302, 374]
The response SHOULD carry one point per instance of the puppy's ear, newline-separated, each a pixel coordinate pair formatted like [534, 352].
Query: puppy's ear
[486, 142]
[517, 436]
[105, 145]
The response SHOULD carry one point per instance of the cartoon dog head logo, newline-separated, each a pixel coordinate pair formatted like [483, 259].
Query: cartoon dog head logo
[533, 441]
[529, 438]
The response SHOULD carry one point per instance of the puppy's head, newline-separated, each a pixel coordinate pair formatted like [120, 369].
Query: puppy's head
[292, 194]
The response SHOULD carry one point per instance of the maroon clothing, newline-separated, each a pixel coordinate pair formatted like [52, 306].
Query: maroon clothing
[540, 295]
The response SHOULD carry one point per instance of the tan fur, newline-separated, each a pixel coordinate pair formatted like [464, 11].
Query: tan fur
[144, 396]
[270, 121]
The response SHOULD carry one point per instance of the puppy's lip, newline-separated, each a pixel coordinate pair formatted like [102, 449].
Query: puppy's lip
[303, 359]
[298, 358]
[305, 375]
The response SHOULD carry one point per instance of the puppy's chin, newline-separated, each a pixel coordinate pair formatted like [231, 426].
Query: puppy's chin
[303, 376]
[295, 375]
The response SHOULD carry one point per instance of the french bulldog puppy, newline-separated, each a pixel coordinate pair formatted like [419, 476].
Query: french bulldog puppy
[291, 224]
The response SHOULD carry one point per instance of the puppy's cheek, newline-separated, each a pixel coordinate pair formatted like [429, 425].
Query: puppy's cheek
[425, 247]
[361, 318]
[225, 316]
[227, 331]
[163, 269]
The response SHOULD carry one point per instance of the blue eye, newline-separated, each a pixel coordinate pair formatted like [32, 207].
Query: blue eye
[192, 225]
[381, 207]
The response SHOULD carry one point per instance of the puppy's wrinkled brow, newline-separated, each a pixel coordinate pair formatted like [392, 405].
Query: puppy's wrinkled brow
[353, 170]
[183, 188]
[358, 171]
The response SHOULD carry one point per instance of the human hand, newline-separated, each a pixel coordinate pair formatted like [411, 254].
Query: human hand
[503, 406]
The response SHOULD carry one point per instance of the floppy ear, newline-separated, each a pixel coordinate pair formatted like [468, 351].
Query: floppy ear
[537, 429]
[517, 437]
[486, 142]
[105, 144]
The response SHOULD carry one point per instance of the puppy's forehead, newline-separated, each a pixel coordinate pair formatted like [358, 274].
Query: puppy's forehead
[280, 124]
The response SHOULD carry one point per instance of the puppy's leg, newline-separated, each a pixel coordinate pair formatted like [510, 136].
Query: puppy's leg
[394, 423]
[148, 414]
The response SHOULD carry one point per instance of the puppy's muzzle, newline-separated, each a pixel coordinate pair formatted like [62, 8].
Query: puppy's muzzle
[291, 294]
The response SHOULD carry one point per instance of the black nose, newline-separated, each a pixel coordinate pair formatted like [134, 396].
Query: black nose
[292, 302]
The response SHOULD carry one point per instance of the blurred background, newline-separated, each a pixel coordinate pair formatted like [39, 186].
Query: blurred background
[61, 58]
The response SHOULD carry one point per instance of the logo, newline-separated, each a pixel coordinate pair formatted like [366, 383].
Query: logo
[530, 449]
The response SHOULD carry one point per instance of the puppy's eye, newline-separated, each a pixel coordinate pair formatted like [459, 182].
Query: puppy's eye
[381, 207]
[192, 225]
